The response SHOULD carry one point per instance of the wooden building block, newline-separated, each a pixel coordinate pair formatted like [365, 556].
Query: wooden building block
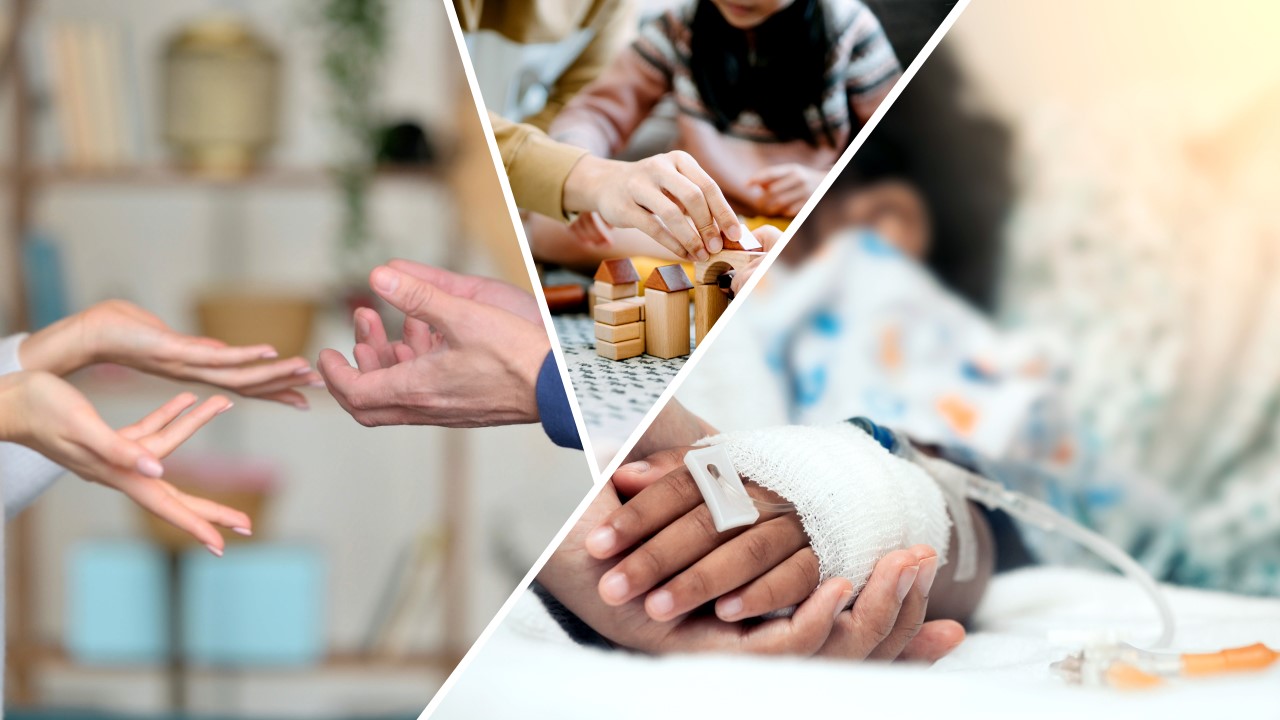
[617, 313]
[709, 303]
[619, 333]
[620, 351]
[666, 322]
[617, 271]
[706, 272]
[616, 292]
[638, 301]
[748, 241]
[667, 278]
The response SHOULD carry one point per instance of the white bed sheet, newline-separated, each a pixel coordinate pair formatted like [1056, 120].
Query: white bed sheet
[529, 669]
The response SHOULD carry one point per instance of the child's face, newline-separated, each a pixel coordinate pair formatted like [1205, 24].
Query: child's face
[747, 14]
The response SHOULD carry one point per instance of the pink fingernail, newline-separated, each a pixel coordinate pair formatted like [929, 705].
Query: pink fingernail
[601, 540]
[635, 468]
[228, 407]
[660, 603]
[270, 355]
[734, 232]
[362, 326]
[728, 608]
[386, 280]
[302, 370]
[905, 580]
[214, 550]
[614, 587]
[846, 598]
[316, 384]
[150, 467]
[242, 531]
[928, 571]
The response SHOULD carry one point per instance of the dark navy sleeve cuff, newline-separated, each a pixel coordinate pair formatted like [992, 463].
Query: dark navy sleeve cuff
[553, 406]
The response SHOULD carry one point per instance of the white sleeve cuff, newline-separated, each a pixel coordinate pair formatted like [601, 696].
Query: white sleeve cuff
[24, 473]
[9, 362]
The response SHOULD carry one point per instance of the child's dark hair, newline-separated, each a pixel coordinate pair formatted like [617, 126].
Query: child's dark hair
[780, 80]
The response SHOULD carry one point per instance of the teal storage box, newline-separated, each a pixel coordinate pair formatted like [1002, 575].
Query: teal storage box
[260, 605]
[116, 603]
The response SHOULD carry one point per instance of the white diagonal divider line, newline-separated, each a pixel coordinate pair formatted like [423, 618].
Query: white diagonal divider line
[514, 211]
[800, 217]
[666, 395]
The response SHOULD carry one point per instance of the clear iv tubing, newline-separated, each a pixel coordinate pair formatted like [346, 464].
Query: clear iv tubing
[761, 505]
[995, 496]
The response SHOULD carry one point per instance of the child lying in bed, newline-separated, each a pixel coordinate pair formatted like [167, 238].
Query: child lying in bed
[767, 94]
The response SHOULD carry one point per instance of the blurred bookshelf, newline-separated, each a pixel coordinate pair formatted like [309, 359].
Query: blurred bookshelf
[163, 175]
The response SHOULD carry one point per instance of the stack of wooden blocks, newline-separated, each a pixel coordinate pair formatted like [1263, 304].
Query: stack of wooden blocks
[658, 323]
[618, 311]
[628, 326]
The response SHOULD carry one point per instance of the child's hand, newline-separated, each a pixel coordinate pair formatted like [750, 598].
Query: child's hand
[45, 413]
[879, 625]
[784, 189]
[768, 236]
[676, 539]
[591, 230]
[121, 332]
[887, 621]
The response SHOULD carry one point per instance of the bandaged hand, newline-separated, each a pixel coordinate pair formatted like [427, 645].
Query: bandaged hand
[753, 571]
[121, 332]
[43, 412]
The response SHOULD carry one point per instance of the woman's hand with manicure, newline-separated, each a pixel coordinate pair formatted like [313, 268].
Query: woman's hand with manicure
[45, 413]
[120, 332]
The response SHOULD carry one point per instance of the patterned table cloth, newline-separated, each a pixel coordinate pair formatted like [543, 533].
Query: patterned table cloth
[613, 394]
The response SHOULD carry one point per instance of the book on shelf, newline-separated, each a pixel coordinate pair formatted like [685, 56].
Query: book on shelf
[87, 92]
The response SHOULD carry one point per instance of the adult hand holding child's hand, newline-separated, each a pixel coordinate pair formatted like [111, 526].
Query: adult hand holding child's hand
[753, 571]
[571, 576]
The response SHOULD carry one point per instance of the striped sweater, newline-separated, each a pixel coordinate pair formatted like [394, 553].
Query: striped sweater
[861, 70]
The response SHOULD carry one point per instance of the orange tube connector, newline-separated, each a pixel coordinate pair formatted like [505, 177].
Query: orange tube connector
[1250, 657]
[1123, 676]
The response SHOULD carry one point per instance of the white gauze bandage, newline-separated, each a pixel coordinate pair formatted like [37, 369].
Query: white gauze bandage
[856, 500]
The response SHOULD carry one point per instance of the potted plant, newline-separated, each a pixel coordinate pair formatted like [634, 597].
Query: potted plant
[353, 36]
